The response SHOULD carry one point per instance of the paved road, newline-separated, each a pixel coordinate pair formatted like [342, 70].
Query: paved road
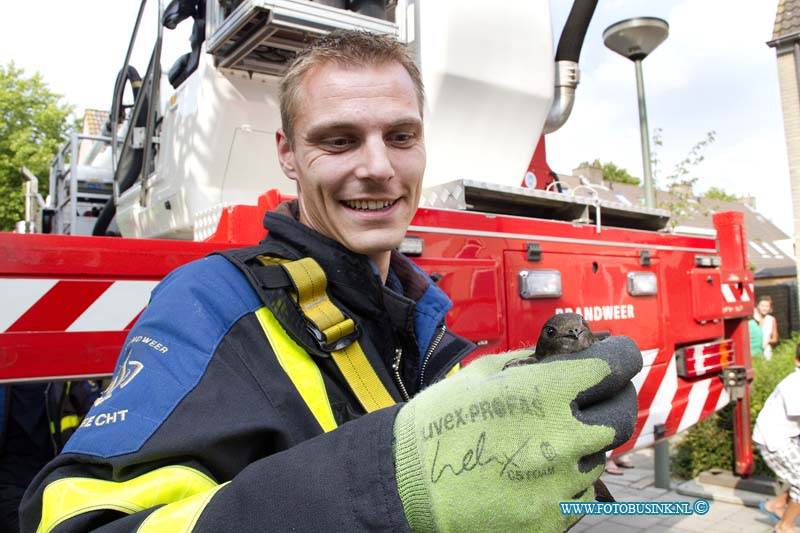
[638, 484]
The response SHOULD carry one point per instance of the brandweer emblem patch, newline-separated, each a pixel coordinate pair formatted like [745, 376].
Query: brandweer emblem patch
[129, 369]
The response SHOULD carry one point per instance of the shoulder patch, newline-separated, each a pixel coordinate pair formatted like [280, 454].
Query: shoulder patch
[165, 355]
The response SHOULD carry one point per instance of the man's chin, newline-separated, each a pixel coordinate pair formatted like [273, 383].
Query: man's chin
[373, 245]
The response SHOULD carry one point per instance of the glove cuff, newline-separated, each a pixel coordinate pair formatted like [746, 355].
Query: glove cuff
[408, 468]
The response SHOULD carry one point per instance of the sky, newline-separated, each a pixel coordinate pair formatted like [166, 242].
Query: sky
[714, 73]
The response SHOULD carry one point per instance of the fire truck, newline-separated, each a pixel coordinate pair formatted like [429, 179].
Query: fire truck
[188, 167]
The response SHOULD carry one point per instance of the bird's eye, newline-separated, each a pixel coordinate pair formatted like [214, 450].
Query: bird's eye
[550, 331]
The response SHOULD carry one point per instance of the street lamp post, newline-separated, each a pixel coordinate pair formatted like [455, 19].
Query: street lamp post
[635, 39]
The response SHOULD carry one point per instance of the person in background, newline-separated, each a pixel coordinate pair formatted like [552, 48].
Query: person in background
[756, 337]
[36, 420]
[769, 326]
[777, 434]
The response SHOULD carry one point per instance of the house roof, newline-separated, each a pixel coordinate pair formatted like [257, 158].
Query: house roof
[769, 248]
[787, 19]
[93, 120]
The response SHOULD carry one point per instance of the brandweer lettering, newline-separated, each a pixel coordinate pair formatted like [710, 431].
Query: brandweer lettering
[486, 410]
[151, 343]
[600, 312]
[104, 419]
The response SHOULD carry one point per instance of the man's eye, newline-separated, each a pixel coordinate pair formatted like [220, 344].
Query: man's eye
[402, 138]
[338, 143]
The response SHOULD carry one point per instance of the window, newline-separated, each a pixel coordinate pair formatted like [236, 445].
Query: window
[771, 249]
[758, 249]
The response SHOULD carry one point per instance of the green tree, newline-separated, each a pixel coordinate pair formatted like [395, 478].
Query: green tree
[680, 201]
[612, 172]
[33, 123]
[715, 193]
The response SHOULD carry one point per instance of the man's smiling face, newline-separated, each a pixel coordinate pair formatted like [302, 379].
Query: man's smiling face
[357, 155]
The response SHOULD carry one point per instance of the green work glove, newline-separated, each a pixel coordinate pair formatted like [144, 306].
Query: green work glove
[497, 450]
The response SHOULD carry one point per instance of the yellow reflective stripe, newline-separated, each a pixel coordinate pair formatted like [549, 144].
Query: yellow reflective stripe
[300, 368]
[69, 422]
[453, 370]
[178, 517]
[312, 297]
[69, 497]
[311, 284]
[361, 377]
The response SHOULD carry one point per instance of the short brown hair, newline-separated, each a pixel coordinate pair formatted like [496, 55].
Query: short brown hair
[348, 48]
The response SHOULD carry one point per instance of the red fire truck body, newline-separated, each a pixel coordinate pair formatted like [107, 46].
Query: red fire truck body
[71, 300]
[508, 257]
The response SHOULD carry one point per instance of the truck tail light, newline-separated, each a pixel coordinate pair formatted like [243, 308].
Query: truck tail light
[642, 284]
[539, 284]
[701, 359]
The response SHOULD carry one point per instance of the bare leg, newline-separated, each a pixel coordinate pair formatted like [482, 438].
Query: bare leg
[786, 525]
[777, 504]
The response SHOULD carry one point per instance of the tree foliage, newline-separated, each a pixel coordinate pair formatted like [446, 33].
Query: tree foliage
[33, 123]
[715, 193]
[612, 172]
[680, 200]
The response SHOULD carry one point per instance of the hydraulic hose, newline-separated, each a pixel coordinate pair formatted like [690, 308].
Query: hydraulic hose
[566, 66]
[574, 32]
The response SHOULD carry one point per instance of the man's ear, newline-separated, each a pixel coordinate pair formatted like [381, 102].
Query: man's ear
[285, 154]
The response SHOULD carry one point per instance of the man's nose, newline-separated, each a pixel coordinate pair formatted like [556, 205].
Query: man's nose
[375, 163]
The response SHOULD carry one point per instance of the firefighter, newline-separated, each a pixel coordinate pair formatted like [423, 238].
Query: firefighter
[299, 384]
[36, 419]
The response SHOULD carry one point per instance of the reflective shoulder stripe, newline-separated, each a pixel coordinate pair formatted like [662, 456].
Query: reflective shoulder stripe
[312, 297]
[300, 368]
[178, 517]
[69, 497]
[453, 370]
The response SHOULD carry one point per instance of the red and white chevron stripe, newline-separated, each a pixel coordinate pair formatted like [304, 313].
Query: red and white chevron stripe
[666, 399]
[732, 294]
[71, 305]
[55, 328]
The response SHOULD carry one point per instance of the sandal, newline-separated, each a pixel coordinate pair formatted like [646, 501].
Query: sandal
[623, 463]
[763, 508]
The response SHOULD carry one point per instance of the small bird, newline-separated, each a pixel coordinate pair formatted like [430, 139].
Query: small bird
[561, 334]
[564, 333]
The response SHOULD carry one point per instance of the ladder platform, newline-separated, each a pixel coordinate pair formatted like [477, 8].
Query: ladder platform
[264, 35]
[472, 195]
